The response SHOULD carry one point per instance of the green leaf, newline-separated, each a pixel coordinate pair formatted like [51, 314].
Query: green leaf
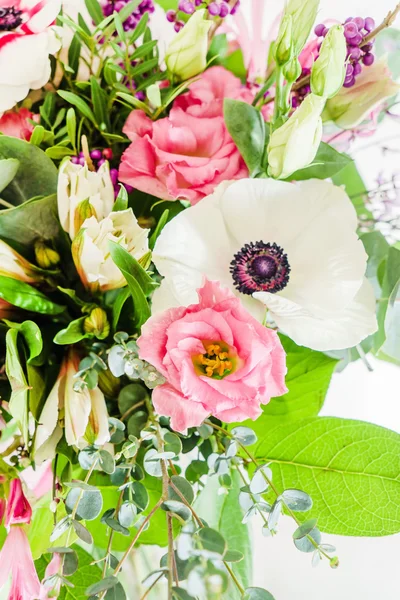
[32, 336]
[139, 283]
[72, 334]
[80, 104]
[355, 188]
[37, 135]
[212, 540]
[121, 201]
[21, 294]
[94, 11]
[256, 593]
[223, 513]
[33, 220]
[118, 305]
[247, 128]
[160, 225]
[99, 101]
[36, 174]
[58, 152]
[8, 170]
[377, 247]
[327, 163]
[183, 486]
[387, 308]
[74, 52]
[90, 503]
[350, 469]
[18, 404]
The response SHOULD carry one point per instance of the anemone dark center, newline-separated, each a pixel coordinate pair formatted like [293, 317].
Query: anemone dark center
[10, 18]
[260, 267]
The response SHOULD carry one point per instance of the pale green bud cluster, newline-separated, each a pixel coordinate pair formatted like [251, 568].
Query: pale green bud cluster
[329, 70]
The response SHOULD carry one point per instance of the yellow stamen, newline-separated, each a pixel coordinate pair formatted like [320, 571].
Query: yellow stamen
[214, 362]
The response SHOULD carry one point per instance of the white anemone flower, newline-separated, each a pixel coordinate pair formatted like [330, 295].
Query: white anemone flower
[292, 248]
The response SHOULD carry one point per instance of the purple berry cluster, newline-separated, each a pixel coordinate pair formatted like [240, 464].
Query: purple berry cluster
[99, 157]
[216, 9]
[355, 30]
[299, 95]
[109, 6]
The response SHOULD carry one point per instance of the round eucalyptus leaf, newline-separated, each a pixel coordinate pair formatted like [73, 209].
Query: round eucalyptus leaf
[232, 449]
[117, 592]
[297, 500]
[258, 484]
[178, 508]
[82, 532]
[244, 435]
[184, 487]
[106, 462]
[116, 361]
[233, 556]
[89, 503]
[61, 527]
[136, 422]
[87, 457]
[172, 443]
[304, 529]
[152, 466]
[196, 470]
[304, 544]
[130, 395]
[127, 514]
[211, 540]
[116, 526]
[105, 584]
[181, 594]
[205, 431]
[140, 496]
[274, 515]
[256, 593]
[70, 563]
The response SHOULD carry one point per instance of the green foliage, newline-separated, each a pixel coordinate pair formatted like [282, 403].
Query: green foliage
[387, 339]
[36, 174]
[23, 295]
[327, 163]
[247, 128]
[326, 457]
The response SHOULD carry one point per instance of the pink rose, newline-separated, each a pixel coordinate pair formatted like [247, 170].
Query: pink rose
[14, 123]
[217, 359]
[205, 97]
[180, 156]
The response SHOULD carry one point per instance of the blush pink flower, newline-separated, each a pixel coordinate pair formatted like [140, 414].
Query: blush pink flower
[16, 560]
[217, 360]
[180, 156]
[50, 586]
[15, 123]
[18, 508]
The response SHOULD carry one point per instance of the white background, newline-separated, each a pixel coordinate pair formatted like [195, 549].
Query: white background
[369, 567]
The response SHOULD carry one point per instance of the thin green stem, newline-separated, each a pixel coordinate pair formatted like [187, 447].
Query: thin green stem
[278, 93]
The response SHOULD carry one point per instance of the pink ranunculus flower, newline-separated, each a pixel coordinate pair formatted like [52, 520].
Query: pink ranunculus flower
[205, 97]
[16, 560]
[180, 156]
[217, 359]
[15, 123]
[18, 508]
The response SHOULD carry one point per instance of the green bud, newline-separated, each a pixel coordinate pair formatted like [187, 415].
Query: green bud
[97, 324]
[46, 257]
[303, 13]
[334, 562]
[283, 44]
[292, 70]
[329, 69]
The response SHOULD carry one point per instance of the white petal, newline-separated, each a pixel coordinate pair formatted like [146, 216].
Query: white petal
[47, 425]
[99, 417]
[334, 331]
[77, 411]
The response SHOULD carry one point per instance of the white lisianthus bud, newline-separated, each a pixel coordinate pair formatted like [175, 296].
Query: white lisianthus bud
[91, 252]
[186, 55]
[292, 70]
[284, 45]
[294, 145]
[303, 13]
[329, 70]
[13, 265]
[82, 193]
[82, 415]
[352, 105]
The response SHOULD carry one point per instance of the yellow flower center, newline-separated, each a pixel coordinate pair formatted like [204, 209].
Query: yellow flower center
[217, 361]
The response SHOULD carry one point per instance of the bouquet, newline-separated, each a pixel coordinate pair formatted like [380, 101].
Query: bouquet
[187, 255]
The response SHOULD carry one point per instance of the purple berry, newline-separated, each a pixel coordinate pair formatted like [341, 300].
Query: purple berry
[178, 25]
[224, 11]
[101, 162]
[114, 176]
[95, 154]
[349, 70]
[325, 32]
[357, 69]
[82, 161]
[213, 9]
[129, 188]
[369, 24]
[171, 16]
[356, 40]
[349, 83]
[198, 2]
[368, 59]
[355, 53]
[367, 47]
[348, 19]
[360, 22]
[188, 7]
[75, 160]
[319, 29]
[350, 30]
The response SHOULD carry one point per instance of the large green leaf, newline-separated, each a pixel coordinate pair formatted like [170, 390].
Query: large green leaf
[223, 513]
[8, 170]
[24, 224]
[308, 378]
[36, 174]
[23, 295]
[327, 163]
[355, 188]
[351, 470]
[247, 128]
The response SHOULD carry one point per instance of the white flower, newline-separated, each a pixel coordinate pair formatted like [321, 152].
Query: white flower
[294, 145]
[25, 46]
[80, 191]
[83, 414]
[303, 261]
[91, 251]
[13, 265]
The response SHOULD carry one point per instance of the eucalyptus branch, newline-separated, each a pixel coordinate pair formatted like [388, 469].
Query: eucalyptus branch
[147, 592]
[271, 485]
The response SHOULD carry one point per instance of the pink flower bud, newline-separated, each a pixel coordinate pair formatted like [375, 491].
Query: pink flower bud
[18, 508]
